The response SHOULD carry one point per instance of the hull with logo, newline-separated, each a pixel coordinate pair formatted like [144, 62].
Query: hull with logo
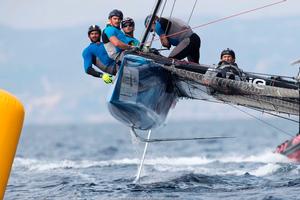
[142, 94]
[148, 84]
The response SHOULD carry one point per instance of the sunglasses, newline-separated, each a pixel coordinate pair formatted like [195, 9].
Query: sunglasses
[127, 25]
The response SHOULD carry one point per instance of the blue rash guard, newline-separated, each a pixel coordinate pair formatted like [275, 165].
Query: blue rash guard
[96, 54]
[160, 31]
[109, 32]
[133, 41]
[175, 28]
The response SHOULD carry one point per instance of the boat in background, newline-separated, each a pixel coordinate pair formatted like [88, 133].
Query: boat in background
[290, 148]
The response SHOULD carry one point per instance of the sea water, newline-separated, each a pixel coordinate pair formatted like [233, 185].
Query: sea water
[99, 161]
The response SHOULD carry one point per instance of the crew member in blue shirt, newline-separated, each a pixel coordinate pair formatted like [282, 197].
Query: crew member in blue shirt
[175, 32]
[128, 27]
[113, 38]
[95, 54]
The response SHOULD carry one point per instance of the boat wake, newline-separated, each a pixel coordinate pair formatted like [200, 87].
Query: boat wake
[161, 175]
[258, 165]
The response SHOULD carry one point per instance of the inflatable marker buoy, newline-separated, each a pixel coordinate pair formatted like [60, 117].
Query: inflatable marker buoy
[11, 122]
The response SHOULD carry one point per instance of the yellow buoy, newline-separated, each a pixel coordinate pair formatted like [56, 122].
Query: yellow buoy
[11, 122]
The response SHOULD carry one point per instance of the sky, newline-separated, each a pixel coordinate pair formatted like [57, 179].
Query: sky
[41, 44]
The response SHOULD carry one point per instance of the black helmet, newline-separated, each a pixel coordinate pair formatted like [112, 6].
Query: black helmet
[127, 21]
[228, 52]
[94, 28]
[117, 13]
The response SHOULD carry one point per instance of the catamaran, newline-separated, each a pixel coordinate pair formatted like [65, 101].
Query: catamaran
[148, 84]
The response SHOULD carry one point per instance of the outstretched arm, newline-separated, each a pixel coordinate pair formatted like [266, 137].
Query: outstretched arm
[116, 42]
[164, 41]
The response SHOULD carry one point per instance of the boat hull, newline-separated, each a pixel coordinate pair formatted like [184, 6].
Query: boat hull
[142, 94]
[290, 148]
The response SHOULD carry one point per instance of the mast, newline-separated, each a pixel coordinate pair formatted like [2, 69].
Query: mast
[158, 3]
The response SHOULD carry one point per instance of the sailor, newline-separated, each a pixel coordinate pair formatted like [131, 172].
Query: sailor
[113, 38]
[128, 27]
[228, 68]
[175, 32]
[227, 57]
[95, 54]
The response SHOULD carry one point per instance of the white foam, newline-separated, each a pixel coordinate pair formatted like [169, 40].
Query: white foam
[34, 164]
[265, 170]
[43, 165]
[266, 156]
[267, 164]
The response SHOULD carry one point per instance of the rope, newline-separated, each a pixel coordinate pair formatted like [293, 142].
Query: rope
[228, 17]
[263, 121]
[269, 113]
[173, 6]
[163, 8]
[188, 22]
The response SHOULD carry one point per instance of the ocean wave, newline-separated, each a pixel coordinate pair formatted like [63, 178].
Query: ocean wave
[267, 164]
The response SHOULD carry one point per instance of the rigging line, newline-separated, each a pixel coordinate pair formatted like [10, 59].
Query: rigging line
[173, 6]
[228, 17]
[266, 101]
[171, 13]
[248, 97]
[153, 34]
[263, 121]
[253, 108]
[269, 113]
[259, 100]
[163, 8]
[256, 109]
[188, 22]
[257, 73]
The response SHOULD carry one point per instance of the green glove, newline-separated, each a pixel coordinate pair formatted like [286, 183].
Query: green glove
[107, 78]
